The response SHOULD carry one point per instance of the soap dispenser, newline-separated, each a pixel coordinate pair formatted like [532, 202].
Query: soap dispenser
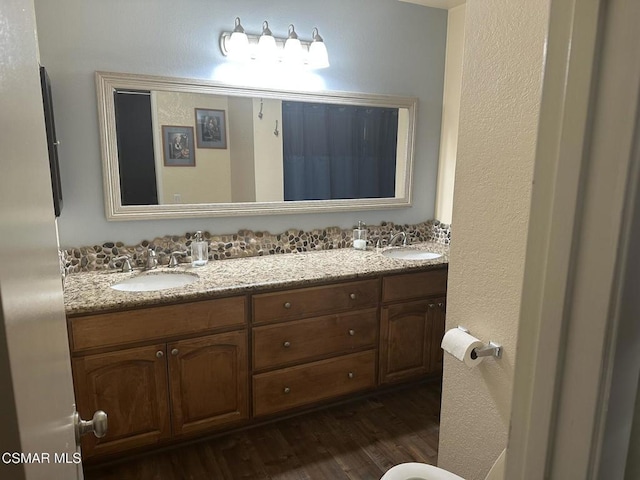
[199, 251]
[360, 237]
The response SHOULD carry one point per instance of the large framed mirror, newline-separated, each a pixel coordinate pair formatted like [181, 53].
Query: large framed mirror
[177, 148]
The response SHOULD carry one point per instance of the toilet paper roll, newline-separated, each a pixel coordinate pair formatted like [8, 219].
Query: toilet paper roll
[460, 344]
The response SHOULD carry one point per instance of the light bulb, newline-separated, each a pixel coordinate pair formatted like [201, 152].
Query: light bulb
[267, 49]
[238, 43]
[292, 48]
[318, 56]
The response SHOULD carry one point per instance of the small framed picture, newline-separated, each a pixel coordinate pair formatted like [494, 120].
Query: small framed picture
[178, 146]
[211, 128]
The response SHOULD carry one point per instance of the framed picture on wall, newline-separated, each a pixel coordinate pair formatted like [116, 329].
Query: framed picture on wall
[178, 146]
[211, 128]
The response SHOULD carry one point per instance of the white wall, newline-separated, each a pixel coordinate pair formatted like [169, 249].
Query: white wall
[499, 114]
[450, 114]
[164, 38]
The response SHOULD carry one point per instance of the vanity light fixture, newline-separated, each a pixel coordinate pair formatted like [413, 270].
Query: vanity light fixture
[240, 46]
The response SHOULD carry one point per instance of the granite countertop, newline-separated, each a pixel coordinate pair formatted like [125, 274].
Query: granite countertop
[90, 292]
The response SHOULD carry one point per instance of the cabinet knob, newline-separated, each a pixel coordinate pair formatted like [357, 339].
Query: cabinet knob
[350, 375]
[352, 332]
[286, 344]
[159, 354]
[352, 296]
[431, 305]
[286, 390]
[441, 304]
[287, 305]
[175, 352]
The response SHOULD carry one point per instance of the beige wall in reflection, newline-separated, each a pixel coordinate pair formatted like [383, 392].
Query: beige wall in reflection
[210, 180]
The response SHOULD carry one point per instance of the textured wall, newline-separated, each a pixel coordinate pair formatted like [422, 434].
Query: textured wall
[368, 54]
[499, 115]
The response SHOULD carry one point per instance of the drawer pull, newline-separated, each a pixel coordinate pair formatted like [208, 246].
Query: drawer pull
[175, 352]
[352, 296]
[159, 354]
[287, 305]
[350, 375]
[286, 344]
[286, 390]
[352, 332]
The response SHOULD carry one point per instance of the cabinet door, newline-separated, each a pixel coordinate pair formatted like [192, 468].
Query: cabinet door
[131, 387]
[407, 341]
[208, 382]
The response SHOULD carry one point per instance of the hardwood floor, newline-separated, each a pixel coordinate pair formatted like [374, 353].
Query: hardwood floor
[358, 440]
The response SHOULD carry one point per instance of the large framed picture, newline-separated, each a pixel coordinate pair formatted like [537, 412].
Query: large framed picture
[211, 128]
[178, 146]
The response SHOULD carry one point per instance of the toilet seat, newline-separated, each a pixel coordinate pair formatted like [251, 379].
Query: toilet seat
[418, 471]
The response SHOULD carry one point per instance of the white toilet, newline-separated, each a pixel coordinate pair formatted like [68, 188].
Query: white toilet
[422, 471]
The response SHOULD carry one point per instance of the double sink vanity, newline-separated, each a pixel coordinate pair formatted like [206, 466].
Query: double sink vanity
[175, 353]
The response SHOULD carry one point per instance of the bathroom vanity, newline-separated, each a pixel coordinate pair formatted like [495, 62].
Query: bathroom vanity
[237, 348]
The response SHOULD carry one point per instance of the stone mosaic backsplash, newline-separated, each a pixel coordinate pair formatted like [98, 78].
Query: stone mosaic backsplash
[245, 243]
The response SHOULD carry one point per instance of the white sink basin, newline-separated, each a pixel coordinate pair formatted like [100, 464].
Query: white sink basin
[155, 281]
[410, 254]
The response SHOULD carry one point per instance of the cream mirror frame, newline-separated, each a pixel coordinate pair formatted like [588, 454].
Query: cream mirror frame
[107, 83]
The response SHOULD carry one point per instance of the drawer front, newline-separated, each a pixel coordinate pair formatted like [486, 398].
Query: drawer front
[414, 285]
[109, 329]
[314, 301]
[306, 384]
[303, 340]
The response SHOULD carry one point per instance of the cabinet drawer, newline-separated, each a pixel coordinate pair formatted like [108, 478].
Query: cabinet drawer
[108, 329]
[314, 301]
[305, 384]
[303, 340]
[414, 285]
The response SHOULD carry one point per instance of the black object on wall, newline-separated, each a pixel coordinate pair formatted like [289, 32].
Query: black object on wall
[52, 141]
[135, 147]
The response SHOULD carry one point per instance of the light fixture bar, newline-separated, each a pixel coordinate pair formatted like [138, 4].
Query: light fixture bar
[308, 55]
[253, 43]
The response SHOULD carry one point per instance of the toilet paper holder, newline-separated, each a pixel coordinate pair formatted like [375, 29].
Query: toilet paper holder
[490, 350]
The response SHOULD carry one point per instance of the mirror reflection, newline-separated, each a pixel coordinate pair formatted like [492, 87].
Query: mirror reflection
[230, 150]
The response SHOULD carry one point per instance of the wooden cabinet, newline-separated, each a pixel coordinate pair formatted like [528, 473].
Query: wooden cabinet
[156, 392]
[314, 301]
[410, 335]
[131, 386]
[171, 372]
[412, 325]
[304, 340]
[308, 383]
[347, 341]
[208, 382]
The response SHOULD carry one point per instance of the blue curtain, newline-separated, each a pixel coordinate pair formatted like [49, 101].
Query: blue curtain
[338, 151]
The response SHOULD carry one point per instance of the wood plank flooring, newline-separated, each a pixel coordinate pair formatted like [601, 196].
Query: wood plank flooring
[358, 441]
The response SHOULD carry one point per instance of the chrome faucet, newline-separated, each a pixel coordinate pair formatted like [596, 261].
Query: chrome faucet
[126, 263]
[400, 235]
[152, 260]
[173, 262]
